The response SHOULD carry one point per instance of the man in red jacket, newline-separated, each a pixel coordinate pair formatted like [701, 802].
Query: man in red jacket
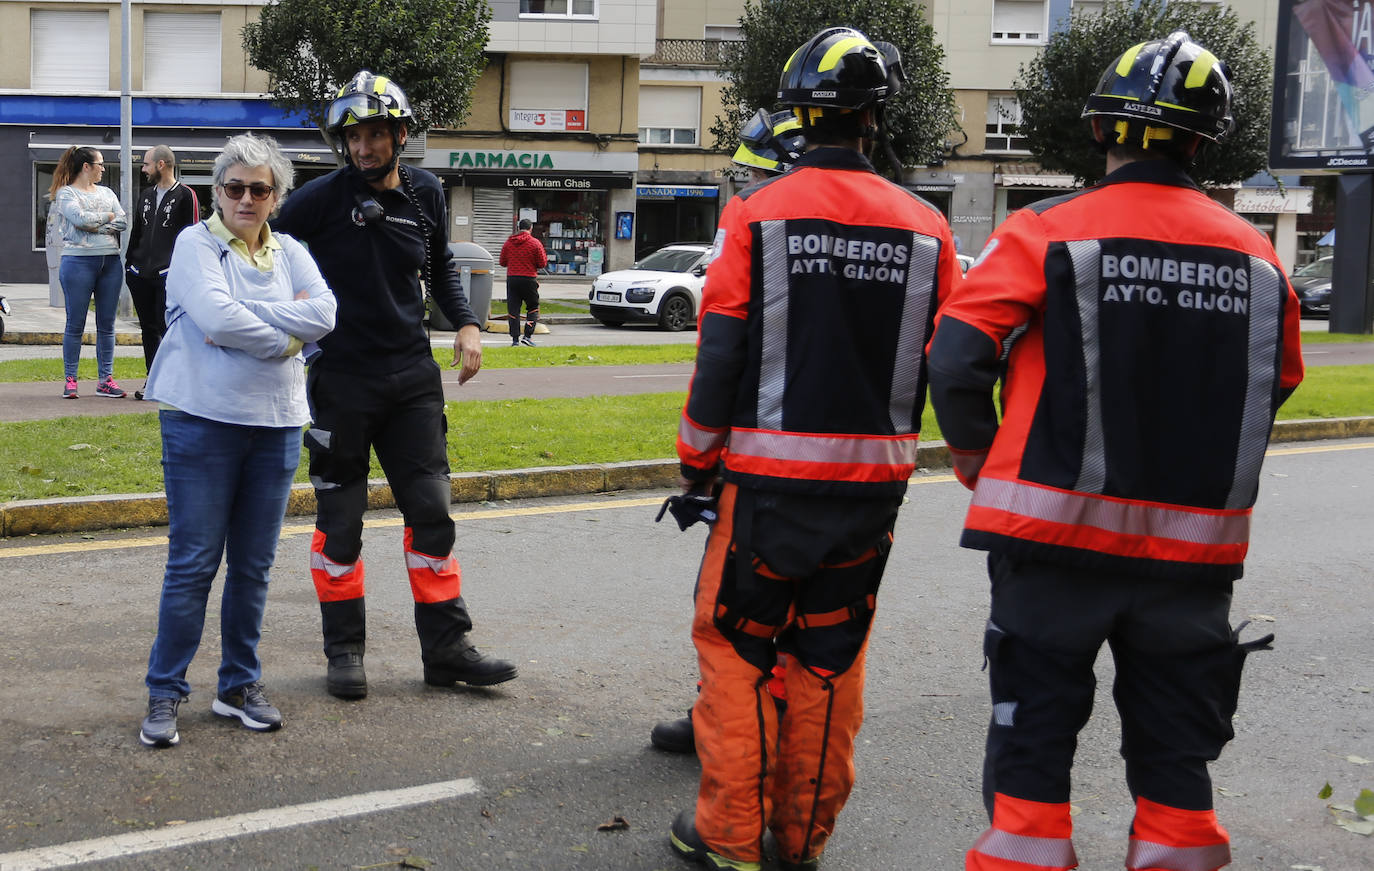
[1152, 338]
[523, 256]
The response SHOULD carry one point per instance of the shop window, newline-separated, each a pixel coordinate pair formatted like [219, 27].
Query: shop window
[549, 96]
[669, 116]
[70, 50]
[569, 224]
[559, 8]
[1004, 124]
[181, 52]
[1018, 21]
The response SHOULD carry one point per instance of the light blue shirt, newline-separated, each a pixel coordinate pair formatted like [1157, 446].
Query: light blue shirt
[250, 316]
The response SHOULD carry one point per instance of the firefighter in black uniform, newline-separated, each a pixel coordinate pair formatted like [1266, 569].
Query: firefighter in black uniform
[808, 409]
[1140, 305]
[377, 229]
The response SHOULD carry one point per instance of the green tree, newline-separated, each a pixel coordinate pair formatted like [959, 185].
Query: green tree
[1053, 87]
[920, 119]
[431, 48]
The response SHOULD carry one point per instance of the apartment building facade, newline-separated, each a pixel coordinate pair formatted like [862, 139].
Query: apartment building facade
[592, 118]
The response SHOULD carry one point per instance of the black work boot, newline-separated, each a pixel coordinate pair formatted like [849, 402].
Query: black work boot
[675, 736]
[345, 633]
[448, 654]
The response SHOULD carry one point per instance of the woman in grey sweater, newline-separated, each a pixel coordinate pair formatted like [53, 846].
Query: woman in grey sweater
[92, 219]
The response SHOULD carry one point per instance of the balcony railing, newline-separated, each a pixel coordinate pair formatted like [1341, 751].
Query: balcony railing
[692, 52]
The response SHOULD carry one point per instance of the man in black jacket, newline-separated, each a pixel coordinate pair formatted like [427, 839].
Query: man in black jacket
[165, 208]
[377, 229]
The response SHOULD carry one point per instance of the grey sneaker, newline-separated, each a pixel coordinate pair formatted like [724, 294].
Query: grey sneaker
[527, 341]
[160, 726]
[250, 706]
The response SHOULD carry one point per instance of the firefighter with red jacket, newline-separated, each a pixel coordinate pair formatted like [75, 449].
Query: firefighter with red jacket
[808, 408]
[1136, 305]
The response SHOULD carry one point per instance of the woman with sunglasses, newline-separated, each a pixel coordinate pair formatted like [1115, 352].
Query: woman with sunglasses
[91, 219]
[230, 380]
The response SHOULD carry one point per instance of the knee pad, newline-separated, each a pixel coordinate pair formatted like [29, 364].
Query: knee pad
[424, 504]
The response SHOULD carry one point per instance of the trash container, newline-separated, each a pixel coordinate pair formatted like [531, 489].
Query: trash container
[474, 265]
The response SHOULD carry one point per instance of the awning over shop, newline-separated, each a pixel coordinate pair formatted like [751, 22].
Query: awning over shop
[1037, 181]
[1328, 239]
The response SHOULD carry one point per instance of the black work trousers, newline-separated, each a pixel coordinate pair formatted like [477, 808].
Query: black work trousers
[401, 416]
[149, 295]
[1178, 669]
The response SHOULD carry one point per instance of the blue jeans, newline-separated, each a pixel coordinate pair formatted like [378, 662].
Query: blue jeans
[227, 487]
[81, 276]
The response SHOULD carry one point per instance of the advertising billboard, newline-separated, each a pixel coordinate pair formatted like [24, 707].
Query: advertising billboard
[1323, 86]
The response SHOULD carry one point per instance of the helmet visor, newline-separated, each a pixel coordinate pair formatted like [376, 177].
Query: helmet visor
[759, 129]
[354, 108]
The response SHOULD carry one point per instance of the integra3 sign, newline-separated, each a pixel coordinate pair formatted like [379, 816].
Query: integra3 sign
[569, 120]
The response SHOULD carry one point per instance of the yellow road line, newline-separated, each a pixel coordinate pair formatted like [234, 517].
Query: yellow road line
[1283, 452]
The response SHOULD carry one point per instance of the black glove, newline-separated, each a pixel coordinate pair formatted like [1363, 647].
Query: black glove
[688, 508]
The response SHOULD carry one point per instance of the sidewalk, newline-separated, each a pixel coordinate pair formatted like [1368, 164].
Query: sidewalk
[35, 322]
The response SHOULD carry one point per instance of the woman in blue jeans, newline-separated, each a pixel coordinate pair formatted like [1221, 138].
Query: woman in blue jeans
[230, 380]
[91, 219]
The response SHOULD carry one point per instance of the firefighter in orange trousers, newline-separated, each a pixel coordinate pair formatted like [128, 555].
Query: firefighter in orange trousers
[769, 145]
[1144, 305]
[811, 406]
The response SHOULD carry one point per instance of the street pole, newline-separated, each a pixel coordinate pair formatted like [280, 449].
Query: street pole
[126, 135]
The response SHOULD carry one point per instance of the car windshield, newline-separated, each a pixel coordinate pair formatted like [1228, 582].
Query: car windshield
[1316, 269]
[670, 260]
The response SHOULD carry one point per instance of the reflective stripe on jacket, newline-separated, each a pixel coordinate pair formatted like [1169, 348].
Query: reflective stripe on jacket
[1160, 338]
[817, 307]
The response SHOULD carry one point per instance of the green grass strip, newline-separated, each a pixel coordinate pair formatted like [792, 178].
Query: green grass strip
[130, 369]
[81, 456]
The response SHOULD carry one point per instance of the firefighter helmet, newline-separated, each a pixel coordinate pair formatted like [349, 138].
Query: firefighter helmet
[837, 68]
[367, 97]
[770, 142]
[1168, 83]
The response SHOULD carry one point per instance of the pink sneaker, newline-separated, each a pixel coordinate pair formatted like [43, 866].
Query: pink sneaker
[69, 391]
[109, 389]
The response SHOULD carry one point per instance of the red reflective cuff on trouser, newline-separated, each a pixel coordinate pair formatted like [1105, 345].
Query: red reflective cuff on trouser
[432, 578]
[1166, 838]
[1025, 836]
[334, 582]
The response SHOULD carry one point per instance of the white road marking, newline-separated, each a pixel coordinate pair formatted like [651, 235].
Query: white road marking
[665, 375]
[204, 831]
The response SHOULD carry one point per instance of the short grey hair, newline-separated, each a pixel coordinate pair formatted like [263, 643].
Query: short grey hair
[251, 151]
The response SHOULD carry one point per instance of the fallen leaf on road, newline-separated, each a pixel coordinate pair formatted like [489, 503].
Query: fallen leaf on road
[1229, 793]
[1307, 868]
[1358, 760]
[617, 824]
[1262, 618]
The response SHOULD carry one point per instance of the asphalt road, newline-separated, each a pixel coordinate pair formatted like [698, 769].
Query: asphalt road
[592, 599]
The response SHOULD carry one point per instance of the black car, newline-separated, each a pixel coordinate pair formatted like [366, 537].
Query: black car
[1313, 285]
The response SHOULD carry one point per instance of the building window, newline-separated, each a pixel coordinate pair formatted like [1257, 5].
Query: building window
[71, 50]
[724, 32]
[1018, 21]
[669, 116]
[1004, 124]
[1088, 7]
[559, 8]
[548, 96]
[181, 52]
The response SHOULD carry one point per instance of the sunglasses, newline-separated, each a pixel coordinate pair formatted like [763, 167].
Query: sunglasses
[234, 190]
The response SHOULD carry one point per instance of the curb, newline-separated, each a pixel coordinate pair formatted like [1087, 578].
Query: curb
[13, 337]
[92, 513]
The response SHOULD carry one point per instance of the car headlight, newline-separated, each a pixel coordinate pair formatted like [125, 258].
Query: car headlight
[640, 294]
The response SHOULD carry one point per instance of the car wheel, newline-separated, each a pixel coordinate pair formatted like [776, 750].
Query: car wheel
[608, 322]
[675, 315]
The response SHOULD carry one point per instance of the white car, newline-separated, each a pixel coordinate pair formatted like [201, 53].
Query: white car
[664, 287]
